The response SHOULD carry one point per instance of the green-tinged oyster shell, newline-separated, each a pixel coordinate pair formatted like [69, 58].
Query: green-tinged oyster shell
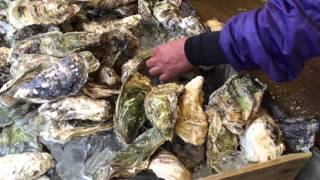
[80, 108]
[9, 113]
[25, 166]
[166, 166]
[161, 107]
[130, 114]
[220, 142]
[192, 124]
[98, 91]
[238, 101]
[93, 62]
[109, 76]
[64, 79]
[134, 64]
[134, 158]
[64, 131]
[4, 65]
[262, 140]
[103, 26]
[105, 4]
[24, 13]
[55, 44]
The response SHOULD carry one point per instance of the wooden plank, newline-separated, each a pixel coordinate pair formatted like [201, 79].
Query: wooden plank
[284, 168]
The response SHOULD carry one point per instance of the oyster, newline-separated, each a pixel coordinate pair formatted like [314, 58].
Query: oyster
[262, 140]
[130, 115]
[166, 166]
[80, 108]
[55, 44]
[161, 107]
[220, 142]
[108, 76]
[98, 91]
[12, 111]
[64, 79]
[25, 166]
[63, 131]
[132, 159]
[237, 102]
[192, 124]
[106, 4]
[104, 26]
[25, 13]
[4, 66]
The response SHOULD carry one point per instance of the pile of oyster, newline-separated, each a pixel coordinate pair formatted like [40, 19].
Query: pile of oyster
[76, 101]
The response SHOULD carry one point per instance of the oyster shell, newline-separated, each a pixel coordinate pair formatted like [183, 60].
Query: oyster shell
[262, 140]
[4, 66]
[192, 124]
[106, 4]
[12, 111]
[161, 107]
[134, 158]
[220, 142]
[80, 108]
[166, 166]
[64, 79]
[25, 13]
[130, 114]
[25, 166]
[238, 101]
[108, 76]
[98, 91]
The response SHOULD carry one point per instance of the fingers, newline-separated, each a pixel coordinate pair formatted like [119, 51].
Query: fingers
[151, 62]
[164, 77]
[155, 71]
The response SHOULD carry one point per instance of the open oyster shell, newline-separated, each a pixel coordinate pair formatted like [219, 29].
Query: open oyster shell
[238, 101]
[64, 79]
[220, 142]
[130, 114]
[166, 166]
[80, 108]
[25, 166]
[262, 140]
[134, 158]
[24, 13]
[192, 124]
[161, 107]
[98, 91]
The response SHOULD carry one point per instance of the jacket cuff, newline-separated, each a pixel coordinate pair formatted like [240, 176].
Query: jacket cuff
[205, 50]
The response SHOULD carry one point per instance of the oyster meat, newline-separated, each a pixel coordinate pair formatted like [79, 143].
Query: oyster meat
[64, 79]
[132, 159]
[262, 140]
[192, 124]
[25, 166]
[98, 91]
[166, 166]
[161, 107]
[23, 13]
[80, 108]
[237, 102]
[130, 114]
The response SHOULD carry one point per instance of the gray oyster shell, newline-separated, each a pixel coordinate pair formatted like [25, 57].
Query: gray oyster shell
[80, 108]
[25, 13]
[25, 166]
[237, 102]
[98, 91]
[10, 110]
[105, 4]
[108, 76]
[64, 79]
[4, 66]
[132, 159]
[161, 107]
[130, 114]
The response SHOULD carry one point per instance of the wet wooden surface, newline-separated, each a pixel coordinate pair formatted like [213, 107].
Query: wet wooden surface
[300, 97]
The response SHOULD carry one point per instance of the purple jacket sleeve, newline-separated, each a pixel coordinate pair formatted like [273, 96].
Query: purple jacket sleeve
[279, 38]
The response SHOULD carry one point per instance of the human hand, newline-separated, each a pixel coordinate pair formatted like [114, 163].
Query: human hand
[169, 60]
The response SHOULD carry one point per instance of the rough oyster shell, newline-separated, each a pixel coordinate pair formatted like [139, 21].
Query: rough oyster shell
[238, 100]
[80, 108]
[98, 91]
[108, 76]
[64, 79]
[11, 111]
[192, 124]
[161, 107]
[220, 142]
[24, 13]
[166, 166]
[25, 166]
[4, 65]
[130, 114]
[105, 4]
[134, 158]
[262, 140]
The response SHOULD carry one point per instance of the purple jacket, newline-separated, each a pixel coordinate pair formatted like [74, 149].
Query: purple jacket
[279, 38]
